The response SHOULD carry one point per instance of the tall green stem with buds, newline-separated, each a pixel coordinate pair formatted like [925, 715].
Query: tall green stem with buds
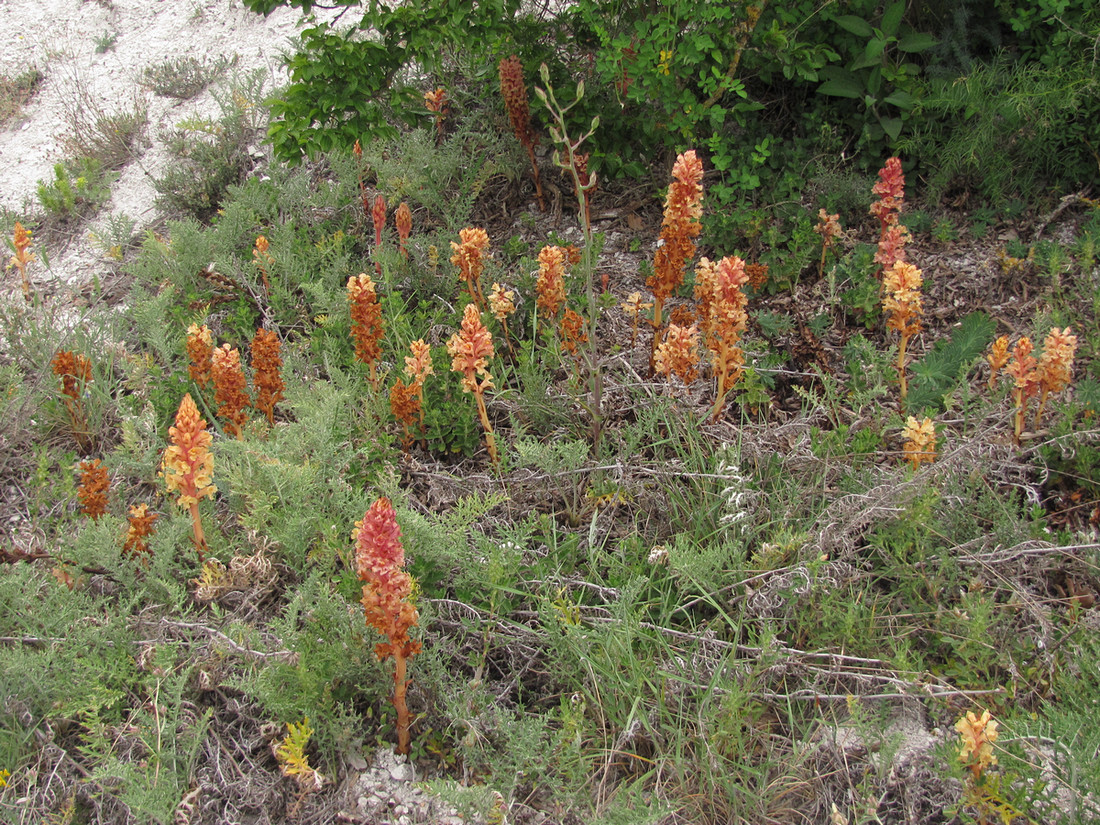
[567, 155]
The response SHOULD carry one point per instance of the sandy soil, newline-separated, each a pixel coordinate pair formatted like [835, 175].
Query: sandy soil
[64, 39]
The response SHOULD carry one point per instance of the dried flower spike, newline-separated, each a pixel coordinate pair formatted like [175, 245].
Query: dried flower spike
[387, 591]
[514, 92]
[920, 441]
[470, 351]
[469, 257]
[92, 492]
[266, 375]
[403, 220]
[367, 326]
[200, 349]
[679, 228]
[230, 387]
[141, 528]
[189, 465]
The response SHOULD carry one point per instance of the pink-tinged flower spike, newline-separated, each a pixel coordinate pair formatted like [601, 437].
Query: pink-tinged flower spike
[514, 92]
[892, 235]
[1055, 366]
[403, 220]
[387, 588]
[470, 352]
[719, 288]
[469, 257]
[1022, 369]
[681, 225]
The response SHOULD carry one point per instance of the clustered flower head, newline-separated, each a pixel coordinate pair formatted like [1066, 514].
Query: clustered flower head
[997, 358]
[92, 492]
[436, 103]
[678, 353]
[230, 387]
[266, 375]
[502, 303]
[189, 465]
[514, 92]
[1031, 377]
[920, 441]
[387, 588]
[367, 325]
[977, 733]
[200, 348]
[263, 260]
[572, 331]
[469, 257]
[470, 351]
[902, 300]
[141, 528]
[550, 283]
[679, 228]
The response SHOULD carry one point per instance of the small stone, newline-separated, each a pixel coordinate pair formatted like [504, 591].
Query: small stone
[403, 773]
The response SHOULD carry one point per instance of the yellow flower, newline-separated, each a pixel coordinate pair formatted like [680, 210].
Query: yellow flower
[920, 441]
[978, 733]
[664, 62]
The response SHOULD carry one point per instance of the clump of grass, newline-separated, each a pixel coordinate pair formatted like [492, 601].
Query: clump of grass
[184, 77]
[109, 135]
[16, 91]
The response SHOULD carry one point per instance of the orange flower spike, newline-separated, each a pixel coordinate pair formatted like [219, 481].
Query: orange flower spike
[572, 331]
[550, 283]
[678, 353]
[436, 102]
[75, 372]
[405, 404]
[418, 365]
[367, 326]
[21, 240]
[720, 288]
[977, 734]
[902, 300]
[200, 349]
[758, 275]
[403, 220]
[94, 485]
[141, 528]
[263, 260]
[514, 92]
[680, 226]
[230, 387]
[502, 303]
[1055, 365]
[470, 351]
[1023, 369]
[828, 227]
[266, 376]
[378, 218]
[380, 560]
[920, 441]
[189, 465]
[997, 358]
[469, 257]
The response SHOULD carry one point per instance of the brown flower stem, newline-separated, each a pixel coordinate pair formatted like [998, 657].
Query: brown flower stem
[490, 439]
[1020, 413]
[535, 170]
[200, 538]
[901, 366]
[400, 685]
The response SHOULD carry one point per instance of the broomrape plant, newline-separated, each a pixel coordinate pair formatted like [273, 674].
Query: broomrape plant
[188, 466]
[266, 366]
[387, 599]
[407, 400]
[200, 350]
[719, 290]
[367, 326]
[230, 388]
[469, 257]
[21, 240]
[902, 300]
[75, 372]
[514, 92]
[470, 351]
[92, 492]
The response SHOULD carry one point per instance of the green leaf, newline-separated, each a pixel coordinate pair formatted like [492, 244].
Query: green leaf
[891, 18]
[891, 126]
[901, 99]
[848, 87]
[916, 42]
[856, 25]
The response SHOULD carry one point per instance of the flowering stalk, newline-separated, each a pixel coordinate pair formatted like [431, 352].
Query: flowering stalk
[407, 400]
[633, 307]
[92, 492]
[230, 387]
[263, 260]
[387, 602]
[997, 358]
[200, 349]
[892, 235]
[367, 326]
[469, 257]
[470, 351]
[920, 441]
[266, 364]
[403, 219]
[828, 227]
[680, 226]
[571, 331]
[189, 465]
[21, 240]
[550, 282]
[75, 372]
[977, 734]
[719, 288]
[678, 353]
[436, 102]
[1055, 366]
[514, 92]
[502, 303]
[141, 528]
[902, 300]
[1022, 369]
